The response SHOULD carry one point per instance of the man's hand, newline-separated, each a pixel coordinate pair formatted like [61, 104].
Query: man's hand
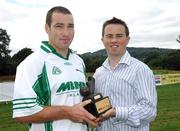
[107, 115]
[78, 114]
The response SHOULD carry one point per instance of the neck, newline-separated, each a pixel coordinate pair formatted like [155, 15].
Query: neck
[114, 61]
[62, 52]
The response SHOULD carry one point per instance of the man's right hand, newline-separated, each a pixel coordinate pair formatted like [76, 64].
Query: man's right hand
[77, 113]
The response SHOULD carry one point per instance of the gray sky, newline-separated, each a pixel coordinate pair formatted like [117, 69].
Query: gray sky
[152, 23]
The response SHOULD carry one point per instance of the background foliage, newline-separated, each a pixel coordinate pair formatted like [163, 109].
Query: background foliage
[156, 58]
[8, 64]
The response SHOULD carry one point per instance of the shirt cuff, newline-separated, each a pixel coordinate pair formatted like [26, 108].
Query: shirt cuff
[27, 112]
[121, 114]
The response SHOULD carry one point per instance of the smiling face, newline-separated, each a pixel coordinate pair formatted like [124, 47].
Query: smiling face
[115, 39]
[61, 32]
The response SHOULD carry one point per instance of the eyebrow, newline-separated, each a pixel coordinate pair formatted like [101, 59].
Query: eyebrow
[108, 34]
[58, 24]
[115, 34]
[71, 24]
[120, 34]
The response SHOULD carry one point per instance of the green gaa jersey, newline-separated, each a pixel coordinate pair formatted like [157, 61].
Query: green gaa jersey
[45, 78]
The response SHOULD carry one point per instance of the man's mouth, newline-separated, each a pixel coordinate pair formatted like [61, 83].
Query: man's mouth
[114, 46]
[65, 40]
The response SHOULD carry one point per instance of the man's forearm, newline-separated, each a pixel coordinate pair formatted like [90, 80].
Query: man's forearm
[49, 113]
[75, 113]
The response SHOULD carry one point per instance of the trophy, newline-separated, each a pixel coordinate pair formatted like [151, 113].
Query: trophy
[99, 104]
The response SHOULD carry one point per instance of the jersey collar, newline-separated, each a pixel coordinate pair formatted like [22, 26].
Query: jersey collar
[45, 46]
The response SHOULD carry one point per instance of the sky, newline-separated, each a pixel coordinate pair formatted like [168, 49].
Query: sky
[152, 23]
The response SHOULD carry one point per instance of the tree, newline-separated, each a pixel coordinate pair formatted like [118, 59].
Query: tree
[4, 52]
[4, 43]
[19, 57]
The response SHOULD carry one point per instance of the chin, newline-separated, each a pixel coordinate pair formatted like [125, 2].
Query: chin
[114, 54]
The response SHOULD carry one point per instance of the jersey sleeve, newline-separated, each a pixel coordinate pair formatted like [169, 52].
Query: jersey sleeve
[25, 98]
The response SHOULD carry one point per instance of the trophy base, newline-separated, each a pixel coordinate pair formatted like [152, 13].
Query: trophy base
[98, 106]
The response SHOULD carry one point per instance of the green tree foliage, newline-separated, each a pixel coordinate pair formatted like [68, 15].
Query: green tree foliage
[94, 60]
[156, 58]
[93, 63]
[4, 53]
[171, 60]
[4, 43]
[19, 57]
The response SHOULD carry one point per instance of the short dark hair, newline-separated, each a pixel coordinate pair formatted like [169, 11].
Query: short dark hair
[59, 9]
[115, 20]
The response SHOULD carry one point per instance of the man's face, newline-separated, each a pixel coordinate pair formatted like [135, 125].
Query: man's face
[61, 31]
[115, 39]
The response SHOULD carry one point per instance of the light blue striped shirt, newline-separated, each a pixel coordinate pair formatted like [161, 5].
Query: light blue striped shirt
[131, 89]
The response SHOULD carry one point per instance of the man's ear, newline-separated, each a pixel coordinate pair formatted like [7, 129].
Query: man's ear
[47, 28]
[102, 39]
[128, 38]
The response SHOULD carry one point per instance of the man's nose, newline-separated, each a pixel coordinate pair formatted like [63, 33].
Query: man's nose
[114, 39]
[65, 31]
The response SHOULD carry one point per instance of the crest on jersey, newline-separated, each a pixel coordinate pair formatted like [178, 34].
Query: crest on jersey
[56, 70]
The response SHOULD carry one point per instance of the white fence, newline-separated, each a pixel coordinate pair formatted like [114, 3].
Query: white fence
[6, 91]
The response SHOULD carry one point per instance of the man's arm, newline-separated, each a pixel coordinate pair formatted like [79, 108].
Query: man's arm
[75, 113]
[144, 110]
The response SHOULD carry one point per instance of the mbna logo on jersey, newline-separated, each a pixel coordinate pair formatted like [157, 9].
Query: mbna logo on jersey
[56, 71]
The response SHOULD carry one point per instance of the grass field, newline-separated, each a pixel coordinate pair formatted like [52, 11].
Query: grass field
[160, 72]
[6, 121]
[168, 118]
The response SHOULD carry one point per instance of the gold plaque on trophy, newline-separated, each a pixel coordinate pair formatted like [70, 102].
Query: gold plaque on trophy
[99, 104]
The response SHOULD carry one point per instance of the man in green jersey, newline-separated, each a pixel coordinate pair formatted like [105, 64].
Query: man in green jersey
[46, 92]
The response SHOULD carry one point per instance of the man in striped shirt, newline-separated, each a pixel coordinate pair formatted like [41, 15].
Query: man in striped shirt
[128, 82]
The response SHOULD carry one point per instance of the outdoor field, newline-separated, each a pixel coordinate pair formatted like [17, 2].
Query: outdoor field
[168, 118]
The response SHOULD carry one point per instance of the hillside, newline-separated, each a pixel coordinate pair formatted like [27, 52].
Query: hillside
[138, 53]
[156, 58]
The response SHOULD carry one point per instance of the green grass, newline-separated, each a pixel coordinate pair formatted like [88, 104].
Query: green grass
[168, 117]
[6, 121]
[160, 72]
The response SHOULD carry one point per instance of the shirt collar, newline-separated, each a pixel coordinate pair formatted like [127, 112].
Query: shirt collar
[46, 46]
[125, 59]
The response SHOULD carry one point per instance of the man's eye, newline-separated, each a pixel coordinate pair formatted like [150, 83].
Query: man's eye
[109, 36]
[71, 26]
[59, 26]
